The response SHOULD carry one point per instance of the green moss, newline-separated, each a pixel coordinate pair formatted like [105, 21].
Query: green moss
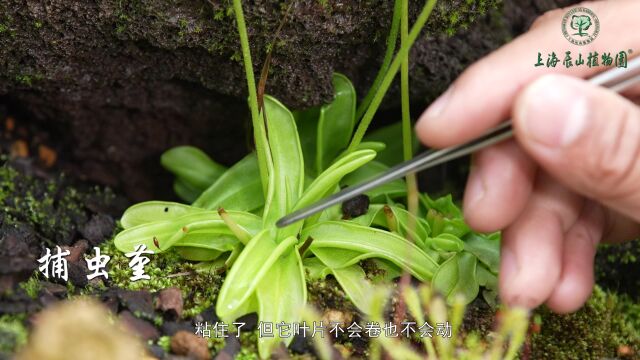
[328, 294]
[52, 207]
[165, 343]
[24, 79]
[166, 270]
[13, 333]
[453, 18]
[596, 331]
[32, 286]
[248, 346]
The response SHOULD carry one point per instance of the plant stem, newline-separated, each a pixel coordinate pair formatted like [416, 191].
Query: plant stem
[239, 232]
[388, 78]
[259, 130]
[391, 219]
[407, 133]
[388, 56]
[407, 151]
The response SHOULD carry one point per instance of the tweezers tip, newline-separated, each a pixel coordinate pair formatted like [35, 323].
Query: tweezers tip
[284, 221]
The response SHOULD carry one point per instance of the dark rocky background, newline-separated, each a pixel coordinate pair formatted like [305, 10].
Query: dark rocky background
[116, 82]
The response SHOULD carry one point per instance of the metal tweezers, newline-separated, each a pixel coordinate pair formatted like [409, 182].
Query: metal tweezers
[617, 79]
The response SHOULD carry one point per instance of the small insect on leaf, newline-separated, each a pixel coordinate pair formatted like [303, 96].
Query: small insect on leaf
[155, 242]
[355, 207]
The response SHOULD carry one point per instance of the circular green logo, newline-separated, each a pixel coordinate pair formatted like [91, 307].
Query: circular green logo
[580, 26]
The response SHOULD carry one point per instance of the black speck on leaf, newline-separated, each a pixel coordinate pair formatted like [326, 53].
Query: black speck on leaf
[355, 207]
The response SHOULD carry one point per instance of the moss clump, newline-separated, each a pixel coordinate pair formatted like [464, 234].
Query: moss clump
[248, 346]
[598, 330]
[13, 333]
[52, 207]
[200, 290]
[328, 294]
[165, 343]
[452, 16]
[32, 286]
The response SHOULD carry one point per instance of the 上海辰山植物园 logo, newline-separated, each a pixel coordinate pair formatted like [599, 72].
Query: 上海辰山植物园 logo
[580, 26]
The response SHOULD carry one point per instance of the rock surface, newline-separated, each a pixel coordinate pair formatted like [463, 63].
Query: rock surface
[189, 344]
[119, 82]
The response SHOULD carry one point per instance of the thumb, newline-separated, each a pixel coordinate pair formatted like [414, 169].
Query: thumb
[585, 136]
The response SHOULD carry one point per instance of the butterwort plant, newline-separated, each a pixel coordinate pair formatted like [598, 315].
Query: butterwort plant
[268, 267]
[300, 158]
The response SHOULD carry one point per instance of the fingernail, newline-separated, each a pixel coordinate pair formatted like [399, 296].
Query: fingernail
[437, 107]
[553, 111]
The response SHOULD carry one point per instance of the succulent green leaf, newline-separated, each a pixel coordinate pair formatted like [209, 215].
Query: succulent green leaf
[338, 258]
[185, 191]
[355, 284]
[239, 188]
[152, 211]
[307, 124]
[192, 166]
[197, 254]
[404, 221]
[336, 122]
[457, 277]
[392, 189]
[315, 268]
[169, 232]
[330, 178]
[447, 243]
[209, 240]
[372, 243]
[485, 248]
[489, 281]
[444, 216]
[286, 182]
[376, 146]
[282, 293]
[252, 265]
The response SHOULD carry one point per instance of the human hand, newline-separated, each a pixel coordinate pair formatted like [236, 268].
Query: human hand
[572, 176]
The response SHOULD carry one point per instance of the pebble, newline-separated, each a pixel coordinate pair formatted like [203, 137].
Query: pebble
[47, 155]
[332, 316]
[172, 327]
[207, 315]
[300, 345]
[250, 321]
[170, 302]
[76, 251]
[98, 229]
[19, 149]
[57, 290]
[77, 273]
[230, 350]
[156, 351]
[189, 344]
[138, 302]
[142, 328]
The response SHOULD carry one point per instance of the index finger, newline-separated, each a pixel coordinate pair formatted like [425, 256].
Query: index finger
[483, 95]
